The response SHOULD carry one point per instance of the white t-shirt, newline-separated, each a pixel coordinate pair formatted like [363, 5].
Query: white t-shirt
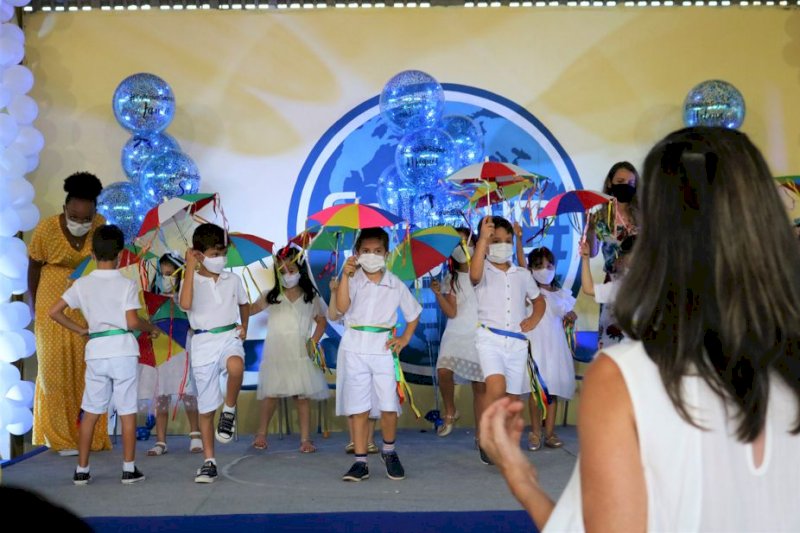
[375, 304]
[606, 293]
[502, 296]
[103, 297]
[216, 303]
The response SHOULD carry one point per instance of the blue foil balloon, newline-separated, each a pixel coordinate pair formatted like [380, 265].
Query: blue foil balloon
[468, 138]
[143, 103]
[424, 212]
[425, 157]
[141, 148]
[142, 433]
[121, 204]
[714, 103]
[412, 100]
[395, 193]
[169, 175]
[450, 208]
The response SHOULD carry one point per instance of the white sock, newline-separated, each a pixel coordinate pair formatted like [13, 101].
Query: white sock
[82, 469]
[212, 461]
[127, 467]
[226, 409]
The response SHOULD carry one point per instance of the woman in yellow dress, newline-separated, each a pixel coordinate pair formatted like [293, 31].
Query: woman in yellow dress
[58, 245]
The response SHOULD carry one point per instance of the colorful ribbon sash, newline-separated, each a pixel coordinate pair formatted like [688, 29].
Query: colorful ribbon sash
[108, 333]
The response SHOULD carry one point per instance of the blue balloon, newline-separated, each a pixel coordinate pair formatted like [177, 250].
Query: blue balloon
[141, 148]
[424, 212]
[150, 422]
[143, 103]
[121, 204]
[169, 175]
[425, 157]
[467, 136]
[450, 208]
[714, 103]
[412, 100]
[395, 193]
[142, 433]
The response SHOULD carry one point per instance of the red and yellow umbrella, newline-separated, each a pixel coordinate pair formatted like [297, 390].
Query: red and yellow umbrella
[355, 216]
[422, 251]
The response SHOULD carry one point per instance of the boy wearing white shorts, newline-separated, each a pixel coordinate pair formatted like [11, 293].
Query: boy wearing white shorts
[215, 301]
[109, 302]
[369, 297]
[502, 291]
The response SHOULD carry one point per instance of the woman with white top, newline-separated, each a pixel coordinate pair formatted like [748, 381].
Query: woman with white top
[694, 425]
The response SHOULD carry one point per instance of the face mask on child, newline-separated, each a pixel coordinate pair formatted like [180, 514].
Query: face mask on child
[290, 280]
[500, 252]
[543, 276]
[372, 262]
[215, 265]
[167, 285]
[459, 255]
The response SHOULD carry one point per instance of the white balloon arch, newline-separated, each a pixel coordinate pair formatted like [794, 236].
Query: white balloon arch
[20, 144]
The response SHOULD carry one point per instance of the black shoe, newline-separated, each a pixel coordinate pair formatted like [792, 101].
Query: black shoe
[206, 473]
[484, 458]
[132, 477]
[225, 427]
[358, 472]
[81, 478]
[394, 470]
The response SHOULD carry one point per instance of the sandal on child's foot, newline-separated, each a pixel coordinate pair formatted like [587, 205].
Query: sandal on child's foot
[350, 447]
[160, 448]
[306, 446]
[534, 441]
[553, 441]
[260, 442]
[447, 427]
[372, 448]
[195, 442]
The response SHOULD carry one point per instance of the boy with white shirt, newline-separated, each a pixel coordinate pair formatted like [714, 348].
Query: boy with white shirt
[502, 291]
[214, 301]
[369, 297]
[109, 302]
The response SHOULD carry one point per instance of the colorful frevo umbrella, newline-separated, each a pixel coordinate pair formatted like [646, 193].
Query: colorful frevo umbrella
[422, 251]
[87, 265]
[577, 204]
[355, 216]
[160, 214]
[490, 192]
[492, 171]
[245, 249]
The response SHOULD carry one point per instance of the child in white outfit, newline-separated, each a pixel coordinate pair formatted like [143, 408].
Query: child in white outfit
[286, 368]
[109, 302]
[214, 301]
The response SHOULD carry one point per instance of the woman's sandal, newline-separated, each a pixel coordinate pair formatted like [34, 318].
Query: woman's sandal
[160, 448]
[260, 442]
[447, 427]
[195, 442]
[306, 446]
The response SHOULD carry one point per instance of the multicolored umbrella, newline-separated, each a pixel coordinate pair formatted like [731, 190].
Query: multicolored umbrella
[87, 265]
[355, 216]
[578, 201]
[154, 352]
[492, 171]
[160, 214]
[160, 306]
[245, 249]
[325, 239]
[422, 251]
[491, 192]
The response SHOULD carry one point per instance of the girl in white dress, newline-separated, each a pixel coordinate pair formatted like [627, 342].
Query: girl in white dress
[458, 357]
[550, 347]
[164, 381]
[286, 368]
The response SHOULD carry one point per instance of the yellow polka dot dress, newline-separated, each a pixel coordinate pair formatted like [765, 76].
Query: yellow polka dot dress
[60, 352]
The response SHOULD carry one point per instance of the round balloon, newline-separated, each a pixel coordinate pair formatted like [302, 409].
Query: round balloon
[714, 103]
[144, 103]
[141, 148]
[450, 208]
[426, 156]
[395, 193]
[468, 138]
[169, 175]
[412, 100]
[121, 204]
[18, 79]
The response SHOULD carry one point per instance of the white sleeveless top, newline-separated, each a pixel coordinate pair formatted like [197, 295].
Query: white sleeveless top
[702, 480]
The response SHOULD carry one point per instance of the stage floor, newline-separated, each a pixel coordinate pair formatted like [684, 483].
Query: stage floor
[443, 474]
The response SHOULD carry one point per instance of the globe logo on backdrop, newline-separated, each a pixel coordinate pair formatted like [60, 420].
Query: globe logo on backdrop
[346, 163]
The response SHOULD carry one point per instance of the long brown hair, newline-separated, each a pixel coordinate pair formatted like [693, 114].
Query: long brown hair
[713, 287]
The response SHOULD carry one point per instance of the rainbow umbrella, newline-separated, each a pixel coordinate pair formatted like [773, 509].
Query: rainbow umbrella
[578, 201]
[355, 216]
[188, 203]
[422, 251]
[491, 192]
[165, 314]
[154, 352]
[326, 239]
[87, 265]
[492, 171]
[245, 249]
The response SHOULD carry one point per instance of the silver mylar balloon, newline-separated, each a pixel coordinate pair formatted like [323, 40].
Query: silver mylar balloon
[141, 148]
[714, 103]
[169, 175]
[122, 204]
[144, 103]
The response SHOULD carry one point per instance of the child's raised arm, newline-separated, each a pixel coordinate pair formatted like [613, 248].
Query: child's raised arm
[343, 291]
[57, 314]
[481, 247]
[446, 301]
[521, 259]
[187, 287]
[587, 283]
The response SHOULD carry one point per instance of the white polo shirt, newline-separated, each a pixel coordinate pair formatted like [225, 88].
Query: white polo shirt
[103, 297]
[606, 293]
[216, 303]
[376, 304]
[502, 296]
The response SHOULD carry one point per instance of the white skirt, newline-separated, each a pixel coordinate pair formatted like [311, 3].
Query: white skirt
[458, 352]
[166, 378]
[280, 376]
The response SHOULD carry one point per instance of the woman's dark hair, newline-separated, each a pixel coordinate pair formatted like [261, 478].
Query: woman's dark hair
[372, 233]
[209, 236]
[287, 255]
[168, 259]
[537, 256]
[82, 186]
[107, 242]
[453, 265]
[713, 287]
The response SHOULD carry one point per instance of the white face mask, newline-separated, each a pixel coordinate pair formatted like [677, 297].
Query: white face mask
[167, 284]
[500, 252]
[544, 276]
[290, 280]
[372, 262]
[459, 255]
[215, 265]
[78, 229]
